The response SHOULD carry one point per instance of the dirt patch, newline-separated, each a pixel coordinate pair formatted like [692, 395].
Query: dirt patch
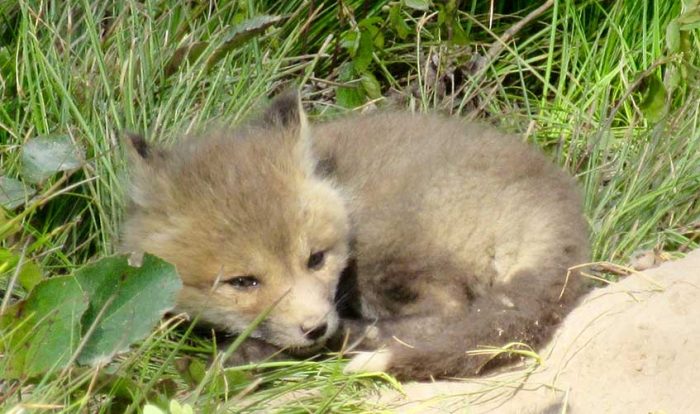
[630, 347]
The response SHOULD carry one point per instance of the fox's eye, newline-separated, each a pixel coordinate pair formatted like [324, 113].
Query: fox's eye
[316, 260]
[243, 282]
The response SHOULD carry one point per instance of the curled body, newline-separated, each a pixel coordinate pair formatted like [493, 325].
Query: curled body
[459, 236]
[463, 238]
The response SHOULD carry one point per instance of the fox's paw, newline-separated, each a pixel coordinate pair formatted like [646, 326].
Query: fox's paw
[377, 361]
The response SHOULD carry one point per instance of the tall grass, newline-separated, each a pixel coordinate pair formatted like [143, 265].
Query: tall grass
[570, 81]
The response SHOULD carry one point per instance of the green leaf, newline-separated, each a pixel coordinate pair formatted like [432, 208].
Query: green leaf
[363, 56]
[237, 378]
[689, 20]
[654, 101]
[242, 33]
[673, 37]
[672, 78]
[29, 275]
[350, 40]
[152, 409]
[191, 370]
[14, 193]
[398, 23]
[237, 35]
[371, 85]
[176, 408]
[188, 53]
[42, 332]
[43, 157]
[369, 25]
[348, 96]
[125, 303]
[422, 5]
[459, 36]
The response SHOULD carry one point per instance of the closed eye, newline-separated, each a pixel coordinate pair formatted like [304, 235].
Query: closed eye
[243, 282]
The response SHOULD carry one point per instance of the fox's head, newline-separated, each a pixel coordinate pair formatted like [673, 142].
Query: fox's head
[247, 223]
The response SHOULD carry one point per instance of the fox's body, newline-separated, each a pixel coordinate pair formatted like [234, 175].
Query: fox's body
[460, 236]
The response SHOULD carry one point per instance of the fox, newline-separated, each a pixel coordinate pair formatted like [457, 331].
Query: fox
[415, 237]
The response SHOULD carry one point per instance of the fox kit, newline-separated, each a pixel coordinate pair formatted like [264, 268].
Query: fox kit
[459, 237]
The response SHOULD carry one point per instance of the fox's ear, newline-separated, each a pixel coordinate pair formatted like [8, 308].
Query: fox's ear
[136, 147]
[285, 111]
[141, 152]
[145, 166]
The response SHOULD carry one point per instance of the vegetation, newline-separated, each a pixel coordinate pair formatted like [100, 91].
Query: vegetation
[608, 88]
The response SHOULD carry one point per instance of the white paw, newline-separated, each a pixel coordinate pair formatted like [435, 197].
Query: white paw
[378, 361]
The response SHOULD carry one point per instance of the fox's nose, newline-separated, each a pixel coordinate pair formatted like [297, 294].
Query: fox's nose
[315, 332]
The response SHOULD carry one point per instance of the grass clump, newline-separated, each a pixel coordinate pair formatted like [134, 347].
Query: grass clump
[609, 90]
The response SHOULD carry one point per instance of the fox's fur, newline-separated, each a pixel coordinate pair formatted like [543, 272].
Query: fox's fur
[459, 236]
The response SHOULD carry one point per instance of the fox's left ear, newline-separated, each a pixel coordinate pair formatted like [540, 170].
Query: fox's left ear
[145, 167]
[285, 111]
[136, 146]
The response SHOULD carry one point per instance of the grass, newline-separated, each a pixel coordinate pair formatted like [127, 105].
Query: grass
[575, 81]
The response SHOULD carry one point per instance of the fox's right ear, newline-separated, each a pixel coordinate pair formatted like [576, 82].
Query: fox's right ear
[285, 111]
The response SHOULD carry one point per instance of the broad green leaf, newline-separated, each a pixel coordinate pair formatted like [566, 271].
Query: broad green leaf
[398, 23]
[125, 303]
[363, 56]
[176, 408]
[43, 157]
[152, 409]
[459, 36]
[689, 20]
[191, 370]
[348, 96]
[14, 193]
[442, 14]
[30, 273]
[237, 36]
[672, 78]
[350, 40]
[242, 33]
[687, 44]
[422, 5]
[654, 99]
[449, 17]
[369, 25]
[673, 37]
[188, 53]
[371, 85]
[42, 332]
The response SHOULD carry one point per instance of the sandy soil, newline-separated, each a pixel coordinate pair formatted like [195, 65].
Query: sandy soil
[631, 347]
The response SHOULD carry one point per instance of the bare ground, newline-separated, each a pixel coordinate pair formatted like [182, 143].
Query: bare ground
[633, 347]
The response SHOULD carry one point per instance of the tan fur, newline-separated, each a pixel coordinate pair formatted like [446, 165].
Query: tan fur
[243, 203]
[461, 236]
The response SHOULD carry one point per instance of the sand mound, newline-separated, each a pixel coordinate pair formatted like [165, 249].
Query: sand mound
[630, 347]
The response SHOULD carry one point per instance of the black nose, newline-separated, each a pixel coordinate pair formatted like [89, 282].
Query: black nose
[316, 332]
